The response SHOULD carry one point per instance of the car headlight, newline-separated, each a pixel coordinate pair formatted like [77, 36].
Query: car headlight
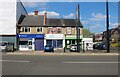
[3, 47]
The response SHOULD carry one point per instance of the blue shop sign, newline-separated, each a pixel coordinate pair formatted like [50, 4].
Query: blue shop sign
[31, 36]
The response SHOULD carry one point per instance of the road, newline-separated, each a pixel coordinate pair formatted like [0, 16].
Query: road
[59, 65]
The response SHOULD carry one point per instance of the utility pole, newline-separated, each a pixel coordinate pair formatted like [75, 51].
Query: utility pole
[78, 28]
[107, 26]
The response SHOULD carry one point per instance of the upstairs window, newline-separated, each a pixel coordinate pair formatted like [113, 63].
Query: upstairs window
[39, 29]
[59, 30]
[68, 30]
[50, 30]
[25, 29]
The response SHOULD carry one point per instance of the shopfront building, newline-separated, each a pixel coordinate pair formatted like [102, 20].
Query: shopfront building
[31, 42]
[69, 40]
[56, 40]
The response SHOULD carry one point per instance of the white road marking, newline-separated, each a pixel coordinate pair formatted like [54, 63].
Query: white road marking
[89, 62]
[13, 61]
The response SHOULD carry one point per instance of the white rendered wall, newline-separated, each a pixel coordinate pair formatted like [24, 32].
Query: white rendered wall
[7, 17]
[10, 12]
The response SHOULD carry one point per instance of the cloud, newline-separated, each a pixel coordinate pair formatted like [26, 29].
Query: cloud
[71, 15]
[97, 17]
[40, 5]
[95, 26]
[113, 24]
[50, 14]
[85, 22]
[53, 14]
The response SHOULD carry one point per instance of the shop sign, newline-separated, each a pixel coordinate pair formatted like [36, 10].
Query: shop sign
[54, 36]
[30, 35]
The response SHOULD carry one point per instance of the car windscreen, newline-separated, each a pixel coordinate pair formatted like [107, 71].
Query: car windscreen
[2, 44]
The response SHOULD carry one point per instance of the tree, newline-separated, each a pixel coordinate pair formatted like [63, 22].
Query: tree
[87, 33]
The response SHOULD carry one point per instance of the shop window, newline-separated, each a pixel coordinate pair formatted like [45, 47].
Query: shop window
[49, 42]
[23, 42]
[68, 41]
[59, 43]
[39, 29]
[73, 41]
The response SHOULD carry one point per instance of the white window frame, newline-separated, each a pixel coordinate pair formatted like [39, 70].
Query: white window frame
[23, 29]
[69, 31]
[40, 29]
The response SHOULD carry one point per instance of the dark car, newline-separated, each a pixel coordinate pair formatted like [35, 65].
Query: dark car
[96, 46]
[102, 46]
[49, 48]
[73, 48]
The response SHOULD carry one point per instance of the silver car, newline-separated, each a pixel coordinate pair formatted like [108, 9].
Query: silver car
[73, 48]
[6, 46]
[2, 46]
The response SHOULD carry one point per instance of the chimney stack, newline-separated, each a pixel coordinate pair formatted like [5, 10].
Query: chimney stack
[35, 12]
[45, 18]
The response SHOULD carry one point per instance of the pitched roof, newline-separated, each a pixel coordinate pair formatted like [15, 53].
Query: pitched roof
[33, 20]
[61, 22]
[71, 22]
[53, 22]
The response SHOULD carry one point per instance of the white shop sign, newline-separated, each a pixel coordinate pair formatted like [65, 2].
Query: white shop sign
[54, 36]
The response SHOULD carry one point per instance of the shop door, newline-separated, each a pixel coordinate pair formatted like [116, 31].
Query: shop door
[39, 44]
[54, 43]
[30, 44]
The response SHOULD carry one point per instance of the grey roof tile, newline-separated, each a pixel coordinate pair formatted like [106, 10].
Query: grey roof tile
[62, 22]
[33, 20]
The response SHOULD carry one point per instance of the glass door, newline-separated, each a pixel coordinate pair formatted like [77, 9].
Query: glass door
[54, 43]
[30, 44]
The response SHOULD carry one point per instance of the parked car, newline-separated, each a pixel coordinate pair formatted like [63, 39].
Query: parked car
[6, 47]
[2, 46]
[49, 48]
[73, 48]
[95, 46]
[100, 46]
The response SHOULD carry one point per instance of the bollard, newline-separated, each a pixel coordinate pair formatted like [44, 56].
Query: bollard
[13, 47]
[83, 47]
[64, 49]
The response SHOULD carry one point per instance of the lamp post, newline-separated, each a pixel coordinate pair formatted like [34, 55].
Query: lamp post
[107, 26]
[78, 28]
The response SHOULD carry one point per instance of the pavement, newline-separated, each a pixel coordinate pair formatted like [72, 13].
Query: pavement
[58, 53]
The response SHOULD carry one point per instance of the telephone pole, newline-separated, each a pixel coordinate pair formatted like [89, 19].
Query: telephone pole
[78, 28]
[107, 26]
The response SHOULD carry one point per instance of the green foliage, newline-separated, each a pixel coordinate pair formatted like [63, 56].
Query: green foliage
[87, 33]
